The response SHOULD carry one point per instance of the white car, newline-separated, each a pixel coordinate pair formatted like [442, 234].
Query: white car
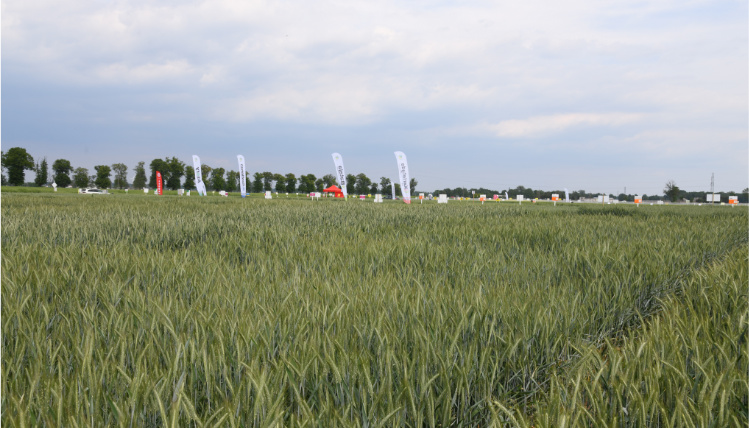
[93, 191]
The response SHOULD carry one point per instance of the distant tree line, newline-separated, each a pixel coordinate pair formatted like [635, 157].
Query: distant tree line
[527, 193]
[16, 161]
[671, 192]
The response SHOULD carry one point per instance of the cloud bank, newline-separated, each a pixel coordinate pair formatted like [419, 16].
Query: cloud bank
[568, 81]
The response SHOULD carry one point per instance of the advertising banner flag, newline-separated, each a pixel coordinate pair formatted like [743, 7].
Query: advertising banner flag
[242, 176]
[199, 185]
[392, 187]
[566, 195]
[159, 184]
[403, 176]
[507, 196]
[340, 173]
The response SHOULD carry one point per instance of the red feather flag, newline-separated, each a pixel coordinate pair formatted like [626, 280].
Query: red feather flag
[159, 185]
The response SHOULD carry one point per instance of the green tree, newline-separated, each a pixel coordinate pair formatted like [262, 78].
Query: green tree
[139, 182]
[102, 176]
[161, 166]
[307, 183]
[290, 182]
[217, 179]
[350, 184]
[527, 192]
[120, 176]
[41, 173]
[62, 170]
[80, 178]
[385, 184]
[257, 184]
[319, 185]
[36, 171]
[329, 180]
[175, 169]
[17, 160]
[189, 178]
[363, 183]
[205, 172]
[280, 183]
[267, 180]
[671, 191]
[413, 184]
[373, 188]
[232, 181]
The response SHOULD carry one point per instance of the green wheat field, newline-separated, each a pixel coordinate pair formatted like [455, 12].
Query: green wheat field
[135, 310]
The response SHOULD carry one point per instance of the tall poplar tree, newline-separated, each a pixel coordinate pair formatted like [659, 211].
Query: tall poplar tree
[257, 185]
[217, 179]
[120, 175]
[189, 183]
[41, 173]
[139, 182]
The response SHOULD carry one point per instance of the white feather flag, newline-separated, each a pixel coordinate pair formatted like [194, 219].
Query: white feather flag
[199, 185]
[405, 181]
[242, 176]
[340, 173]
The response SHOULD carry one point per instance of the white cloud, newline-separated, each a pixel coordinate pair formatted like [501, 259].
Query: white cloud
[545, 125]
[674, 143]
[324, 103]
[642, 75]
[145, 73]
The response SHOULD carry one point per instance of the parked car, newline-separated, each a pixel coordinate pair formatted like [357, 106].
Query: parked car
[93, 191]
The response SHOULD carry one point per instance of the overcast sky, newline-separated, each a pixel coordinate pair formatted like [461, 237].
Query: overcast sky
[593, 95]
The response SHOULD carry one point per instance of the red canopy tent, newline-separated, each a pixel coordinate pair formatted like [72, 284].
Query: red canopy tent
[336, 190]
